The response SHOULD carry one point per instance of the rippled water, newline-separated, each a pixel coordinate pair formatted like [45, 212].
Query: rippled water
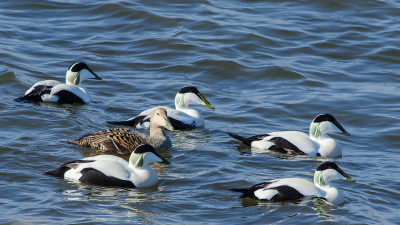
[265, 66]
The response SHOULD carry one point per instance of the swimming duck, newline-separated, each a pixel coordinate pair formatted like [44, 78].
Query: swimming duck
[297, 188]
[182, 117]
[124, 141]
[317, 143]
[70, 92]
[110, 170]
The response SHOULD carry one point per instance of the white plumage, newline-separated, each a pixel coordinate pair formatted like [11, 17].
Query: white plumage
[182, 117]
[110, 170]
[318, 142]
[297, 188]
[71, 92]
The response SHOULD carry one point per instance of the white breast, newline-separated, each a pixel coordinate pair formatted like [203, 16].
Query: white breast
[144, 177]
[329, 147]
[334, 196]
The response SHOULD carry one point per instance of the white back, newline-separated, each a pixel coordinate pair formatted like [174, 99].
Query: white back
[81, 92]
[299, 139]
[44, 82]
[304, 186]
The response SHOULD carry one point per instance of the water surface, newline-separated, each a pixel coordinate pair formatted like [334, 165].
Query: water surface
[265, 66]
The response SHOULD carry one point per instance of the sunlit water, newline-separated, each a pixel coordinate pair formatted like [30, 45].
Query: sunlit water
[265, 66]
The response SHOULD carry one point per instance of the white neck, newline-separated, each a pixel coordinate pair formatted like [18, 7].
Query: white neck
[76, 78]
[328, 147]
[73, 78]
[180, 101]
[321, 130]
[322, 181]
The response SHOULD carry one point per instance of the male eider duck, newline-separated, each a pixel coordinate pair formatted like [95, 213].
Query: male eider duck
[182, 117]
[287, 189]
[124, 141]
[110, 170]
[318, 143]
[70, 92]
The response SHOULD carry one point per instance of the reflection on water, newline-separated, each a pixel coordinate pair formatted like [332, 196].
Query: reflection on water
[190, 139]
[324, 209]
[246, 150]
[135, 211]
[136, 201]
[268, 65]
[133, 194]
[327, 210]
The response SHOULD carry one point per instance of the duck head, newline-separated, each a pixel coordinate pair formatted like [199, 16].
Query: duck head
[326, 123]
[79, 72]
[159, 118]
[327, 172]
[190, 95]
[145, 154]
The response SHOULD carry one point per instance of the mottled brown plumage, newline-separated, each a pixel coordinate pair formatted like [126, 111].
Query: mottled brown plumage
[124, 141]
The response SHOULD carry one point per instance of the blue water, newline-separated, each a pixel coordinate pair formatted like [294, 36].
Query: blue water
[265, 66]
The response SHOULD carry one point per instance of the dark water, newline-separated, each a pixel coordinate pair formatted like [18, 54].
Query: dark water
[265, 66]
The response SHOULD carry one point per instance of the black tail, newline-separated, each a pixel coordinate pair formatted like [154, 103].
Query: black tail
[236, 136]
[131, 122]
[59, 172]
[244, 140]
[246, 192]
[29, 98]
[249, 140]
[35, 94]
[126, 123]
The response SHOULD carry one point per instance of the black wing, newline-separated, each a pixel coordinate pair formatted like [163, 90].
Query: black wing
[284, 146]
[68, 97]
[286, 193]
[94, 176]
[131, 122]
[35, 94]
[177, 124]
